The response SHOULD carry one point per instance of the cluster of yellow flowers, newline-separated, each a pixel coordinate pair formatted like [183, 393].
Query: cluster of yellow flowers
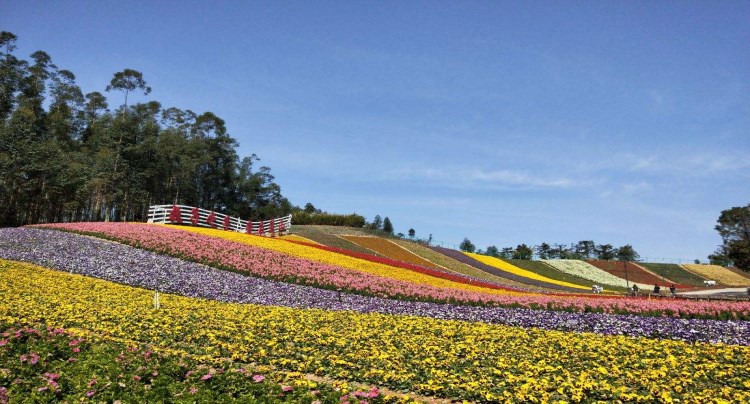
[719, 274]
[464, 360]
[340, 260]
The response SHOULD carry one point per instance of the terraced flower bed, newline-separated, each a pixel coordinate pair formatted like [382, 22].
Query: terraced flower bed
[123, 264]
[552, 273]
[223, 253]
[391, 250]
[457, 267]
[592, 273]
[430, 357]
[461, 257]
[631, 272]
[331, 240]
[675, 272]
[505, 266]
[719, 274]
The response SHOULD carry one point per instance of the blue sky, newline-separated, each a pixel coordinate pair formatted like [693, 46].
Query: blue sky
[505, 122]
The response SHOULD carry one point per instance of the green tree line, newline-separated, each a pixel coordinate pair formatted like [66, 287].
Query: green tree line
[66, 156]
[584, 249]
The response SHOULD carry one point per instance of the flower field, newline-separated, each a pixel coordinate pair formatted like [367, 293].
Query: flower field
[675, 273]
[55, 364]
[233, 251]
[633, 272]
[590, 272]
[457, 267]
[123, 264]
[229, 344]
[391, 250]
[493, 270]
[550, 272]
[505, 266]
[718, 274]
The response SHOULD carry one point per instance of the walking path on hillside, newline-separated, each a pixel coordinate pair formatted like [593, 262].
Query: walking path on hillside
[724, 292]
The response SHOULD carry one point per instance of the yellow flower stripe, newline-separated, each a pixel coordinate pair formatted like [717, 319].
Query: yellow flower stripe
[469, 361]
[505, 266]
[459, 267]
[718, 273]
[340, 260]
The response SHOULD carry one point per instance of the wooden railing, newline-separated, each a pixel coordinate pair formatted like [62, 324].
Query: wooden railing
[183, 214]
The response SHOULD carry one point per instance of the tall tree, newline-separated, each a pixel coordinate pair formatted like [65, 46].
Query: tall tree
[467, 246]
[733, 226]
[387, 225]
[412, 233]
[523, 252]
[310, 208]
[377, 223]
[543, 251]
[492, 251]
[627, 253]
[605, 252]
[507, 252]
[585, 249]
[66, 157]
[127, 81]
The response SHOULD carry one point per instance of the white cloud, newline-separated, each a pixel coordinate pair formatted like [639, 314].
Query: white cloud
[479, 178]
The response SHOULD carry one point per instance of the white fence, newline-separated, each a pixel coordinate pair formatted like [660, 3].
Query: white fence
[200, 217]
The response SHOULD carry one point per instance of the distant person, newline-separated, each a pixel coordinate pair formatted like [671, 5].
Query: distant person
[672, 290]
[657, 290]
[635, 290]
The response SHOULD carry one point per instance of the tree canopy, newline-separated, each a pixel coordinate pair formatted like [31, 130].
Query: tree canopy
[467, 246]
[733, 226]
[66, 156]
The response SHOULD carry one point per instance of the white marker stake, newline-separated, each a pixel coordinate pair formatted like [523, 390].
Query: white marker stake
[156, 300]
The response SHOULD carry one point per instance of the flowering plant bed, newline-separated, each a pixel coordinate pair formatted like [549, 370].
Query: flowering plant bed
[430, 357]
[674, 272]
[719, 274]
[67, 252]
[592, 273]
[632, 272]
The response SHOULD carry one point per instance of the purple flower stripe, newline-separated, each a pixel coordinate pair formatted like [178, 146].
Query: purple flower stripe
[127, 265]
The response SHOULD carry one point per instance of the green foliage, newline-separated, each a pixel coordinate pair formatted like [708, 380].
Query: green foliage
[605, 252]
[128, 80]
[387, 226]
[627, 253]
[331, 219]
[66, 157]
[543, 250]
[734, 227]
[720, 257]
[50, 365]
[492, 251]
[412, 233]
[523, 252]
[467, 246]
[377, 223]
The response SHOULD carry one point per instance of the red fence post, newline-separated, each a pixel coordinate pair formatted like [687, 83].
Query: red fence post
[195, 217]
[175, 216]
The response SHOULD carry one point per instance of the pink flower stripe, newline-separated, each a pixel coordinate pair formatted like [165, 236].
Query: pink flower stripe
[270, 264]
[266, 263]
